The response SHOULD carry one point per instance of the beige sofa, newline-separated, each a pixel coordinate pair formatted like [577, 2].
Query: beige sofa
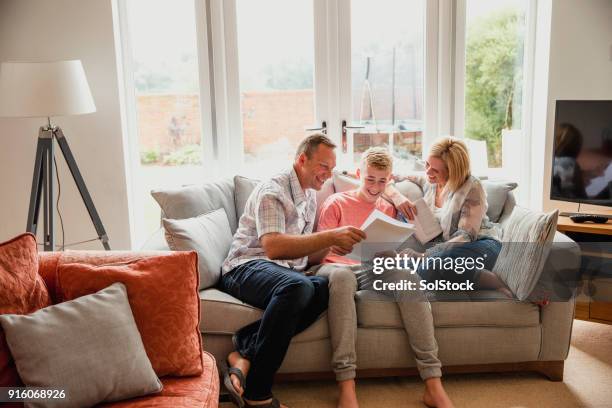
[476, 332]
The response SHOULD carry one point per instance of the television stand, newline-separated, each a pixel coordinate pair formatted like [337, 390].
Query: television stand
[587, 308]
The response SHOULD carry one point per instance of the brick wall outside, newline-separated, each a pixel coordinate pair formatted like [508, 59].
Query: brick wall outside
[167, 122]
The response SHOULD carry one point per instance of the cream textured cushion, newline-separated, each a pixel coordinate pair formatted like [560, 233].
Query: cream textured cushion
[497, 194]
[90, 347]
[526, 244]
[209, 235]
[191, 201]
[243, 187]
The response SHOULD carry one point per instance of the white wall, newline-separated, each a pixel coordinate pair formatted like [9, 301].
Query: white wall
[580, 67]
[56, 30]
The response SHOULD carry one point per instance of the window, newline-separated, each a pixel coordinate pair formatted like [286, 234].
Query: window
[495, 44]
[221, 87]
[276, 69]
[164, 96]
[387, 76]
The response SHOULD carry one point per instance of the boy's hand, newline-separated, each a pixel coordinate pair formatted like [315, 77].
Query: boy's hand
[404, 206]
[346, 237]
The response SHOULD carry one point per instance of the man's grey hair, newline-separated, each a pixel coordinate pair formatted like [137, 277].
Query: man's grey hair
[310, 144]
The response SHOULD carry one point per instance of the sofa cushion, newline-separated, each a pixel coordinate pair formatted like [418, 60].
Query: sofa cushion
[22, 291]
[60, 347]
[497, 194]
[181, 392]
[224, 314]
[343, 182]
[526, 244]
[243, 187]
[191, 201]
[162, 290]
[209, 235]
[375, 312]
[410, 190]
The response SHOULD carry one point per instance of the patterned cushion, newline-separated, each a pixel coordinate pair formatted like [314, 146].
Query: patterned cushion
[184, 392]
[163, 295]
[22, 291]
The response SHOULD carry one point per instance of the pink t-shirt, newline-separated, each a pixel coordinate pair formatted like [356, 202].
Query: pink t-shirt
[348, 209]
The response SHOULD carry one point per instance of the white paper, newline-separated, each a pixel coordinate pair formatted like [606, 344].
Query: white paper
[426, 225]
[383, 234]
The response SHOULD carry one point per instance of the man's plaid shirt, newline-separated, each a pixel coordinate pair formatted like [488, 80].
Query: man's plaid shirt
[277, 205]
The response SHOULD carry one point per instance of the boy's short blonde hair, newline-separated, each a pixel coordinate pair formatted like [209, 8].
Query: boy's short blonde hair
[377, 157]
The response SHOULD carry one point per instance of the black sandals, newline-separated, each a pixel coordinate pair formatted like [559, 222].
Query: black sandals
[229, 386]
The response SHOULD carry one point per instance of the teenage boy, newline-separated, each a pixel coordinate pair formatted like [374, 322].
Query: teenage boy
[271, 248]
[346, 276]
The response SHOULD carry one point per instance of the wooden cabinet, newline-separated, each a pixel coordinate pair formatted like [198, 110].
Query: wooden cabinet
[588, 308]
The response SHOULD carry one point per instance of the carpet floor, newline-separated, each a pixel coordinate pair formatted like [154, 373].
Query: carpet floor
[587, 383]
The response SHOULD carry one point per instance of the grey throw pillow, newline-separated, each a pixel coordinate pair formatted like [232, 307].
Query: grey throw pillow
[209, 235]
[243, 186]
[191, 201]
[90, 347]
[497, 193]
[526, 244]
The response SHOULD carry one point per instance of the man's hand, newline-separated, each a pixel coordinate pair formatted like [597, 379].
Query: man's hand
[340, 251]
[345, 237]
[404, 206]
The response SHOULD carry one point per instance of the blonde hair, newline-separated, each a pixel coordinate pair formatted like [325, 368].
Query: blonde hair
[454, 154]
[377, 157]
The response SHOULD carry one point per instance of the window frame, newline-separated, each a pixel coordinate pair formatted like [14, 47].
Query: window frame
[219, 83]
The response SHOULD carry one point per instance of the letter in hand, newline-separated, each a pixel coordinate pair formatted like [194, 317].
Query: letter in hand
[345, 237]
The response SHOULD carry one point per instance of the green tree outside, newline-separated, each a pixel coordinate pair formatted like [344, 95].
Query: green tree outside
[493, 78]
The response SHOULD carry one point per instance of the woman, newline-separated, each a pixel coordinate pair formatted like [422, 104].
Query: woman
[458, 201]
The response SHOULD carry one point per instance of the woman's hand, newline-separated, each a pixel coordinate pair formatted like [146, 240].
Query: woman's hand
[404, 206]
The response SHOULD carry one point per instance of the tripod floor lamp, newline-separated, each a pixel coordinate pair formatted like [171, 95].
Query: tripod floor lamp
[48, 89]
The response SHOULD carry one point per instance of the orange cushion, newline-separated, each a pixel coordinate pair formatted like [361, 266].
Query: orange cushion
[184, 392]
[162, 291]
[22, 291]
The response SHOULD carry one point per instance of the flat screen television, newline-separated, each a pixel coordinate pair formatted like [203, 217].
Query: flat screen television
[582, 152]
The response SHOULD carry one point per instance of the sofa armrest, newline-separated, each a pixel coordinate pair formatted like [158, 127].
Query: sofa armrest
[560, 276]
[556, 319]
[560, 279]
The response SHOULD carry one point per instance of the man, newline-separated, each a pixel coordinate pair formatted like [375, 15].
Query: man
[351, 208]
[272, 246]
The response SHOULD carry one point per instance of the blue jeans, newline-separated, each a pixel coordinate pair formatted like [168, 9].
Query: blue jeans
[291, 302]
[485, 248]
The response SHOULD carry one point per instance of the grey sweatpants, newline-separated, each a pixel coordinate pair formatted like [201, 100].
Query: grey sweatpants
[415, 310]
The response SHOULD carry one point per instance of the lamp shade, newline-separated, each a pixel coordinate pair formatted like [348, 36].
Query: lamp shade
[44, 89]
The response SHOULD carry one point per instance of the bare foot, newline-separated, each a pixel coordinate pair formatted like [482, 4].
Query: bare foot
[348, 394]
[255, 403]
[435, 395]
[236, 360]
